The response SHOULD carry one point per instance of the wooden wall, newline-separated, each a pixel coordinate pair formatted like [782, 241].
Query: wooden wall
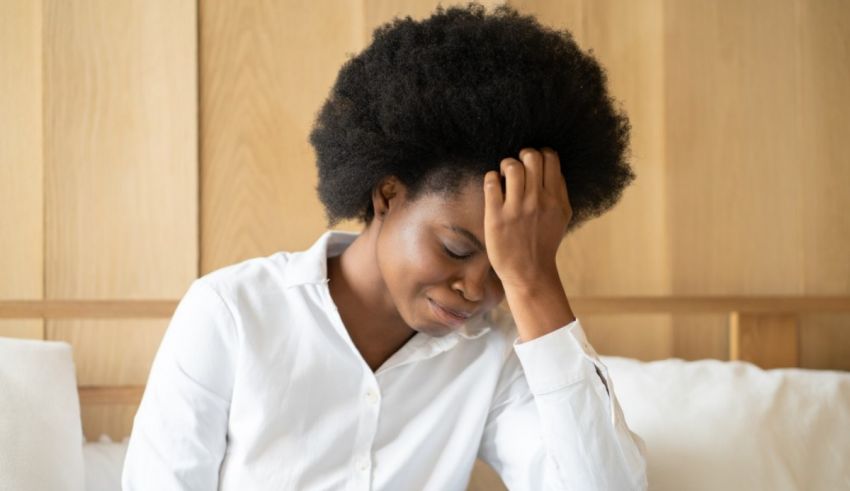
[99, 167]
[21, 162]
[144, 143]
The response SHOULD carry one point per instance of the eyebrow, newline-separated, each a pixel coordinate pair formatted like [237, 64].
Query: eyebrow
[469, 235]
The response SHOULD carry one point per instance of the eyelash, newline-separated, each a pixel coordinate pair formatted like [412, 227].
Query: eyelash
[452, 254]
[455, 256]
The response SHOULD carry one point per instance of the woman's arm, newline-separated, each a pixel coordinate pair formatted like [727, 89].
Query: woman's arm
[555, 422]
[179, 432]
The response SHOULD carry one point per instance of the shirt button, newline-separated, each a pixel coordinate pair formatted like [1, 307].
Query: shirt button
[371, 396]
[363, 464]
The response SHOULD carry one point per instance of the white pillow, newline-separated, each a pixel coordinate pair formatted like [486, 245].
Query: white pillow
[712, 425]
[41, 434]
[104, 460]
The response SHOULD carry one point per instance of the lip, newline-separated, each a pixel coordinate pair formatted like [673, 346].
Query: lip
[447, 316]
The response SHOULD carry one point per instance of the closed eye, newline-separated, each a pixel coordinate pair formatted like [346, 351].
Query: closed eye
[456, 256]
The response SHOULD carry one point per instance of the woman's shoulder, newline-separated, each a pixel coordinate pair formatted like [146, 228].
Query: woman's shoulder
[283, 269]
[249, 276]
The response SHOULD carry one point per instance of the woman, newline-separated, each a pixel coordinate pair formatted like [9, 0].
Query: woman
[381, 360]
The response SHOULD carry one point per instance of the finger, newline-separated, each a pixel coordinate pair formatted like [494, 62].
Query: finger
[493, 199]
[533, 161]
[514, 173]
[553, 180]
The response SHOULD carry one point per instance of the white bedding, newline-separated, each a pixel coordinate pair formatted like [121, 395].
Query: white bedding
[103, 460]
[713, 425]
[708, 425]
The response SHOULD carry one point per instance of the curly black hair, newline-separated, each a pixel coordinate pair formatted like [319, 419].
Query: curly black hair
[436, 101]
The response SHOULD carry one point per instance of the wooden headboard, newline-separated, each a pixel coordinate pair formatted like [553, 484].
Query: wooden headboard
[763, 330]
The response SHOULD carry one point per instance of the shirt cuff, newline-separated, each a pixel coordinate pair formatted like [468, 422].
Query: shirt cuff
[556, 359]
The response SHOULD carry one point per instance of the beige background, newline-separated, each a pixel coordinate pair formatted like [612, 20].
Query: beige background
[144, 143]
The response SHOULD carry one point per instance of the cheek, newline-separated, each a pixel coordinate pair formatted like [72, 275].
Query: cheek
[410, 263]
[423, 265]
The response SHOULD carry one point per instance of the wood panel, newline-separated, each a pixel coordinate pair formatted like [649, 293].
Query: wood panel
[375, 13]
[823, 129]
[756, 109]
[825, 341]
[115, 421]
[21, 162]
[121, 199]
[766, 340]
[265, 69]
[727, 74]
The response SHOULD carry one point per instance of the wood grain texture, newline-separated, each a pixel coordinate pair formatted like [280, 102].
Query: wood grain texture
[266, 67]
[115, 421]
[120, 149]
[823, 129]
[21, 161]
[756, 105]
[87, 309]
[825, 341]
[111, 394]
[121, 199]
[766, 340]
[726, 75]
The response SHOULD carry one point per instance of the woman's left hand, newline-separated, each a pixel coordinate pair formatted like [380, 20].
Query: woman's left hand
[523, 226]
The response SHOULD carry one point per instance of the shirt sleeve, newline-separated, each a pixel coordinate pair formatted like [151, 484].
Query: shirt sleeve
[555, 422]
[179, 431]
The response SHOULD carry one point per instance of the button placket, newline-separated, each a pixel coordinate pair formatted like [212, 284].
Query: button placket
[369, 412]
[372, 397]
[363, 464]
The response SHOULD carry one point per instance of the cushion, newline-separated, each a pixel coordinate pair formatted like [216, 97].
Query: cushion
[40, 431]
[712, 424]
[104, 460]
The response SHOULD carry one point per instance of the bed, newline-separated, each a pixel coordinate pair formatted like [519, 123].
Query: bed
[708, 424]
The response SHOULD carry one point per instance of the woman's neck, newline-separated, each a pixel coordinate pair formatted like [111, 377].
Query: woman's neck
[365, 306]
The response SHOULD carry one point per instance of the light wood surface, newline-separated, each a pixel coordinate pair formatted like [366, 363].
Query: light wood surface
[265, 68]
[757, 99]
[87, 309]
[767, 340]
[822, 130]
[21, 169]
[99, 395]
[120, 171]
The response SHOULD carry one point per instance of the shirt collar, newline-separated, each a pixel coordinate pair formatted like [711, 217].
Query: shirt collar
[311, 267]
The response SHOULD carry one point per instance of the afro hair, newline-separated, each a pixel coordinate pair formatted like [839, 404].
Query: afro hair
[436, 101]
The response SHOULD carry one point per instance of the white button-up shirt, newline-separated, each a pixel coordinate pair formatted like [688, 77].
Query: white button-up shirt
[257, 385]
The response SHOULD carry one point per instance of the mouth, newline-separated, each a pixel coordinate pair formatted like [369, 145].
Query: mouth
[448, 316]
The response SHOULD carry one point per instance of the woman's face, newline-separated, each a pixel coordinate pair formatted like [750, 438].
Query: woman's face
[431, 254]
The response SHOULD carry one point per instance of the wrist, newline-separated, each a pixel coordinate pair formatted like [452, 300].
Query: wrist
[536, 285]
[538, 308]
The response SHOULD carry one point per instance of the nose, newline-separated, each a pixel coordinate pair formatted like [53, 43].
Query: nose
[472, 285]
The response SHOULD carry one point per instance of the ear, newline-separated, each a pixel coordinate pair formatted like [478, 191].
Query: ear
[387, 195]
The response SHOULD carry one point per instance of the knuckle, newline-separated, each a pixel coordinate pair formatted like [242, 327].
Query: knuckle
[529, 152]
[512, 165]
